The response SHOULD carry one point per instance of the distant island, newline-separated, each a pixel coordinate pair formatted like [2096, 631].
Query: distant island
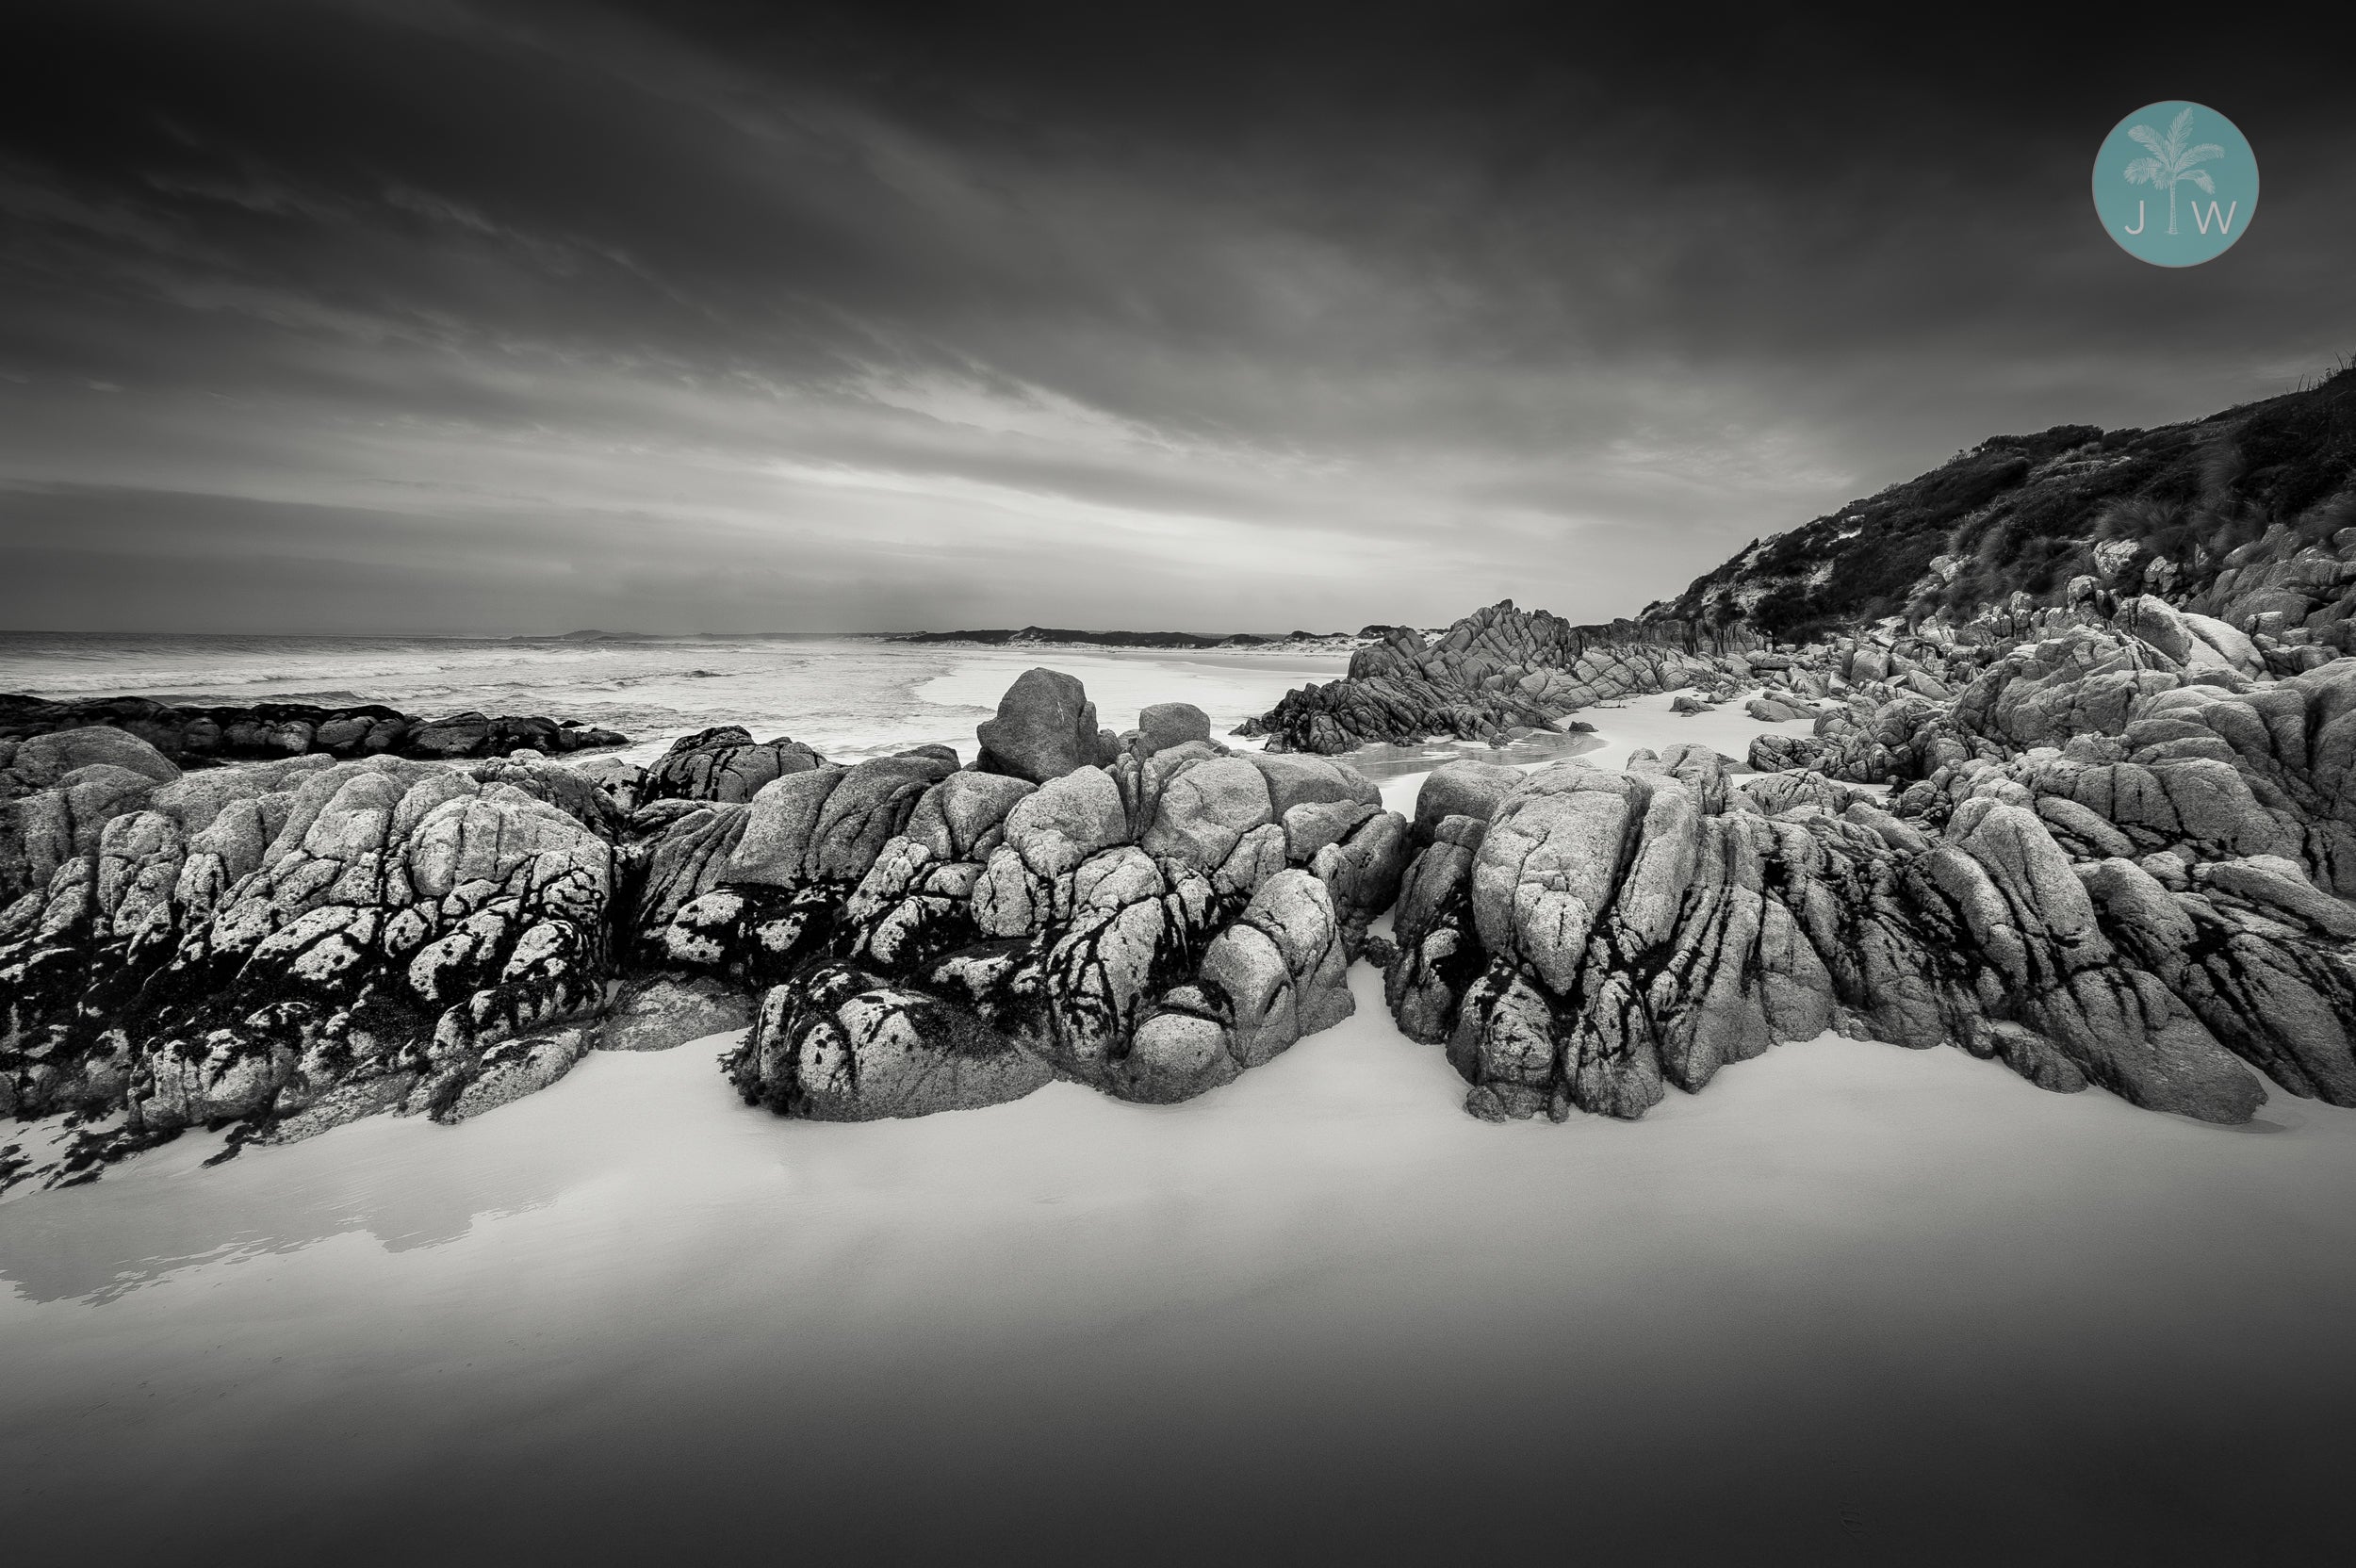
[1030, 636]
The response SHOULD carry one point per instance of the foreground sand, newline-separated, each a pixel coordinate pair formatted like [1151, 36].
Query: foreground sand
[1852, 1304]
[1853, 1300]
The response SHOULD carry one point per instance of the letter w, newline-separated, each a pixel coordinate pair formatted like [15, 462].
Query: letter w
[2224, 224]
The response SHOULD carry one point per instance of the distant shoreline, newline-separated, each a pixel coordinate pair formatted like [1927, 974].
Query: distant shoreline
[1025, 637]
[1193, 642]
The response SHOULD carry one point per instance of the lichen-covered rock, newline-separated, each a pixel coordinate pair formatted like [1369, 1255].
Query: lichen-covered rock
[44, 830]
[827, 824]
[1151, 929]
[1604, 933]
[251, 945]
[512, 1068]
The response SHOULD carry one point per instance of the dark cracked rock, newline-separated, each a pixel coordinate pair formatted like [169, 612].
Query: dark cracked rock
[1045, 727]
[844, 1045]
[1600, 935]
[1494, 670]
[1151, 929]
[195, 732]
[722, 765]
[285, 945]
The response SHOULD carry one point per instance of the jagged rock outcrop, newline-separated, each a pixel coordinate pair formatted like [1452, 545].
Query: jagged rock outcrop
[283, 947]
[275, 729]
[1496, 670]
[1151, 929]
[290, 944]
[1600, 935]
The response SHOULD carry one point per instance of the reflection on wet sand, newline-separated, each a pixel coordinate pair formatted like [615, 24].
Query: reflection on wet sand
[167, 1213]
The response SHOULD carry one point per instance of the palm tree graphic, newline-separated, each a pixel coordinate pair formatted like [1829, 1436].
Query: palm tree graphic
[2171, 160]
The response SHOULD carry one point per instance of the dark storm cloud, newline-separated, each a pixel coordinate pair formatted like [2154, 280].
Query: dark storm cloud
[444, 316]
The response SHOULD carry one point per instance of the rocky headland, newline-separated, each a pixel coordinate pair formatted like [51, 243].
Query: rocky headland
[2100, 682]
[2077, 799]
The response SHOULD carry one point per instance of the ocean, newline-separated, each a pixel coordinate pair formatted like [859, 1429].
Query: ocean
[851, 697]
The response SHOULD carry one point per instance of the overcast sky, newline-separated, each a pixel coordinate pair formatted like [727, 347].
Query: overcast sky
[371, 314]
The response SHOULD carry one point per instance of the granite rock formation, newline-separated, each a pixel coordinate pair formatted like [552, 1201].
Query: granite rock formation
[281, 947]
[1495, 672]
[293, 943]
[2117, 851]
[1150, 929]
[1598, 935]
[724, 763]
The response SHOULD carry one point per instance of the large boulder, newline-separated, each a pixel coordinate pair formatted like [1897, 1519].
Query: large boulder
[1461, 789]
[451, 735]
[1164, 724]
[1045, 727]
[41, 761]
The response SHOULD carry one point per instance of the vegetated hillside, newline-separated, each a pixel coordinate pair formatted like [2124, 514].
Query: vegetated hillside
[2141, 511]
